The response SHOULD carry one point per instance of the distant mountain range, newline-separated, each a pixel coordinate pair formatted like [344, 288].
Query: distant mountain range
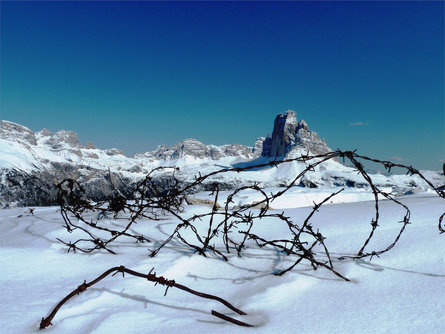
[32, 163]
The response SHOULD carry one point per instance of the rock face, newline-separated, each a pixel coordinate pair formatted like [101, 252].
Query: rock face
[60, 139]
[16, 132]
[19, 188]
[288, 134]
[258, 146]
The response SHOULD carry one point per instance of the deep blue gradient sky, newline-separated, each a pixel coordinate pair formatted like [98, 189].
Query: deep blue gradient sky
[364, 75]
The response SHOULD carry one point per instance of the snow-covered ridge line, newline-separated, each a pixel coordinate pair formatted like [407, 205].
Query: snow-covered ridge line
[31, 163]
[68, 143]
[23, 149]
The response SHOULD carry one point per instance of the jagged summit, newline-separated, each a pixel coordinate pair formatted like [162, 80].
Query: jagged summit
[288, 134]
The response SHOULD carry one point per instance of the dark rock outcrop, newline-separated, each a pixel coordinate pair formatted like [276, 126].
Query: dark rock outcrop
[19, 188]
[288, 134]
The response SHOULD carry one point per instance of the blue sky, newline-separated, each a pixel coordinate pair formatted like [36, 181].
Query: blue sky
[364, 75]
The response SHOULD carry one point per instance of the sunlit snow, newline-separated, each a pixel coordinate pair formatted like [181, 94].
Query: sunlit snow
[400, 292]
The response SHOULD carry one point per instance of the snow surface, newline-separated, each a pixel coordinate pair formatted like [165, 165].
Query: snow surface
[400, 292]
[296, 197]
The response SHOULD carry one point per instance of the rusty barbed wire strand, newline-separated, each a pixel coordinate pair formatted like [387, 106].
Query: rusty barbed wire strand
[151, 276]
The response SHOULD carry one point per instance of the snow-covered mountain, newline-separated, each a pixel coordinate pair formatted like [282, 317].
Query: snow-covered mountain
[24, 150]
[32, 163]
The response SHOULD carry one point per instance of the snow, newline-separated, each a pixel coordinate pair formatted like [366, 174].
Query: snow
[14, 155]
[400, 292]
[297, 196]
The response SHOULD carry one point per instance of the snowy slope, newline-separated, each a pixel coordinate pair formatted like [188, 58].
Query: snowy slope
[400, 292]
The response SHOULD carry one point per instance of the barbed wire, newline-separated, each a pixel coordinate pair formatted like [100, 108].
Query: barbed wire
[231, 225]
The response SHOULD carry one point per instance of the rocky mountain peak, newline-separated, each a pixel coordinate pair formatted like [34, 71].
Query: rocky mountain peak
[288, 134]
[89, 145]
[59, 140]
[44, 133]
[17, 132]
[189, 146]
[195, 148]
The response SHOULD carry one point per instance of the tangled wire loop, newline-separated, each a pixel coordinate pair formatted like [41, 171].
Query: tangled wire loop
[154, 198]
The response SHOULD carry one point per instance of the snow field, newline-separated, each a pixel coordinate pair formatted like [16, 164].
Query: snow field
[400, 292]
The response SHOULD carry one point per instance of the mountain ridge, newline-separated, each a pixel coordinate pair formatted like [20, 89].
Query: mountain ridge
[286, 135]
[32, 163]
